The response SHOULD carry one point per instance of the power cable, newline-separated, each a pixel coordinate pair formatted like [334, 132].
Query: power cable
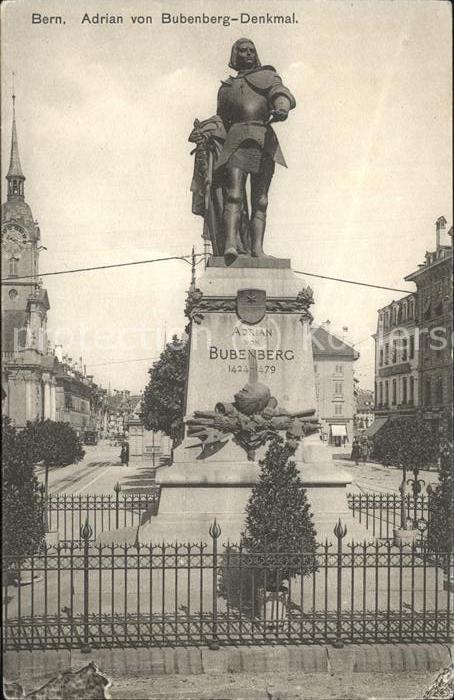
[187, 259]
[361, 284]
[8, 280]
[120, 362]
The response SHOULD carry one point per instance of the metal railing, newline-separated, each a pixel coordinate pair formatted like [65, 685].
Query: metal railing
[381, 512]
[67, 513]
[89, 596]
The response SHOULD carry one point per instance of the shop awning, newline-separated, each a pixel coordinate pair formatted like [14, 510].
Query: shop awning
[377, 425]
[339, 431]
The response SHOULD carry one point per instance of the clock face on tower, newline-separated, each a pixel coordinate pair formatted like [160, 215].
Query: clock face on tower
[14, 237]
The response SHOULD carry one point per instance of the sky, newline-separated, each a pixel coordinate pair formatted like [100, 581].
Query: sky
[103, 116]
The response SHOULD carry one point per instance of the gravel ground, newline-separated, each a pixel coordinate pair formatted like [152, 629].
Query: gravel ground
[275, 686]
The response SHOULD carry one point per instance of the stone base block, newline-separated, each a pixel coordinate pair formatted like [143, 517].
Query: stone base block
[194, 494]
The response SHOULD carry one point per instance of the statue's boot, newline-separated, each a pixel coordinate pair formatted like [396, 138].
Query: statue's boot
[258, 223]
[232, 215]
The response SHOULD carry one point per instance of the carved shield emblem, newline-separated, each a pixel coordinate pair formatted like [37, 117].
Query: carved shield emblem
[251, 305]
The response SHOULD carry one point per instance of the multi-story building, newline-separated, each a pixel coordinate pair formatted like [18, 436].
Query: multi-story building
[28, 363]
[413, 342]
[433, 280]
[397, 358]
[121, 405]
[334, 385]
[36, 382]
[364, 415]
[74, 396]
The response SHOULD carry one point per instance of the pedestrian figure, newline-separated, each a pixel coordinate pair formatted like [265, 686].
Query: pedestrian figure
[355, 450]
[124, 454]
[364, 449]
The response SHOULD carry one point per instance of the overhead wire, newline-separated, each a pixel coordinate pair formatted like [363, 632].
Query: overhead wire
[188, 259]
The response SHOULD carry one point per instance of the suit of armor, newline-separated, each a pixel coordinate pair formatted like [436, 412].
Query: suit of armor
[241, 144]
[245, 104]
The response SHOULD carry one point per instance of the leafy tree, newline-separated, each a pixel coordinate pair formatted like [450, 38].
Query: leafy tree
[408, 443]
[22, 505]
[163, 399]
[441, 523]
[54, 444]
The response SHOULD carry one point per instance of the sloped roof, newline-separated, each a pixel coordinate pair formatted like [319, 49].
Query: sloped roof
[326, 344]
[15, 168]
[364, 398]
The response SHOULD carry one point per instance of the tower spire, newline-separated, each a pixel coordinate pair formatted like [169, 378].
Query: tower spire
[15, 176]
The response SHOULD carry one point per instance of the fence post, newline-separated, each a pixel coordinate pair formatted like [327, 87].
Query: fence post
[340, 531]
[86, 532]
[117, 489]
[45, 507]
[215, 532]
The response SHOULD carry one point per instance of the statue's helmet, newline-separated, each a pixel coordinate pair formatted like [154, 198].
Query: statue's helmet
[233, 63]
[252, 398]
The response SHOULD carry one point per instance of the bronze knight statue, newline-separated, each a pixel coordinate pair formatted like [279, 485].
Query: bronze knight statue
[239, 141]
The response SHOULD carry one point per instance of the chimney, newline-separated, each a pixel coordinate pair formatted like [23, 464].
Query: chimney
[440, 232]
[344, 333]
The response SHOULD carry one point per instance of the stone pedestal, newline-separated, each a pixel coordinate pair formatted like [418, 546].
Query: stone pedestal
[250, 324]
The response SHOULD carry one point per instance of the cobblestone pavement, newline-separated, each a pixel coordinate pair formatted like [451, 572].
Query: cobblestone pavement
[98, 473]
[374, 477]
[100, 470]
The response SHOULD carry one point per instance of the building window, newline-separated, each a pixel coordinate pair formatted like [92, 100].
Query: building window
[386, 393]
[12, 293]
[338, 388]
[387, 319]
[13, 266]
[439, 394]
[381, 393]
[338, 409]
[387, 354]
[404, 349]
[412, 347]
[316, 369]
[381, 357]
[411, 308]
[427, 392]
[395, 310]
[404, 309]
[339, 369]
[412, 389]
[394, 392]
[394, 351]
[404, 389]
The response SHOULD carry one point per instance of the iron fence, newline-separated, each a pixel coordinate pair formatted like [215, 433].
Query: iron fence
[67, 513]
[84, 595]
[381, 512]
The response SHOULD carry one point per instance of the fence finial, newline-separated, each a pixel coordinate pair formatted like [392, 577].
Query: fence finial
[340, 530]
[86, 531]
[117, 488]
[215, 530]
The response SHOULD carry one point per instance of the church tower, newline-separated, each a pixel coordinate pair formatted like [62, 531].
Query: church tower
[25, 357]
